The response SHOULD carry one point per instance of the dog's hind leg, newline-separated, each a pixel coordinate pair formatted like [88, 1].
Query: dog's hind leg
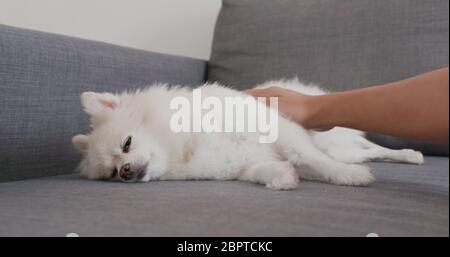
[373, 151]
[297, 147]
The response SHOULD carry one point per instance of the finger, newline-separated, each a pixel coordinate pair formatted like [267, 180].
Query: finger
[260, 92]
[252, 91]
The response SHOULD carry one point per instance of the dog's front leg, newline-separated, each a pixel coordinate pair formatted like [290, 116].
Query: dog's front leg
[275, 175]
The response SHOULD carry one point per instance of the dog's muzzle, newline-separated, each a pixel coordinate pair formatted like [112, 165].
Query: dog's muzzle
[132, 174]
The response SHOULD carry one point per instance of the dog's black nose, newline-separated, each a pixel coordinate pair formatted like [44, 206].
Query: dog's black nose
[125, 173]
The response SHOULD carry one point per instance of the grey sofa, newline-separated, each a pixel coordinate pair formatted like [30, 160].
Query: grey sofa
[41, 77]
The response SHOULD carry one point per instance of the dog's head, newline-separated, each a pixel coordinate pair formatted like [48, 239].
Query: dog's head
[121, 143]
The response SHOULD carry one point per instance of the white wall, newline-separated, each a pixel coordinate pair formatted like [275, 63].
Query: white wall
[183, 27]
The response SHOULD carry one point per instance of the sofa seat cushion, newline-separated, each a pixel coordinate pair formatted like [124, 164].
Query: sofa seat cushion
[406, 200]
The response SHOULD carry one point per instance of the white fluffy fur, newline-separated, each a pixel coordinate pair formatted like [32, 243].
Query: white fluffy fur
[331, 156]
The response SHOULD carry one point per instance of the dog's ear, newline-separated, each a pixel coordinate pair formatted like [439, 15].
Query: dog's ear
[81, 143]
[99, 104]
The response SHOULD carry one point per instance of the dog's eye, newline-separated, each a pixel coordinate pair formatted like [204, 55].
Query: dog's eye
[126, 146]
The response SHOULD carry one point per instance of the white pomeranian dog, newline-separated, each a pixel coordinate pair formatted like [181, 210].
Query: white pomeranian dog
[132, 140]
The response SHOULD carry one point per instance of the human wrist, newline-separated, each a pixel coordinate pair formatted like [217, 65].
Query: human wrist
[322, 112]
[308, 112]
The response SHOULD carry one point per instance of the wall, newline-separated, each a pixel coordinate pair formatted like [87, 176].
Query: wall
[179, 27]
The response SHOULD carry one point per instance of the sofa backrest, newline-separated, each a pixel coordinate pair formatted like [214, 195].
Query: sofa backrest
[41, 78]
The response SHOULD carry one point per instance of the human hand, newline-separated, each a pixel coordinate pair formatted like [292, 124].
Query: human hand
[296, 106]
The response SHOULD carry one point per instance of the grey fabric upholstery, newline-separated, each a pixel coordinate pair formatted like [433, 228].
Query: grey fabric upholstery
[407, 200]
[396, 143]
[339, 44]
[41, 78]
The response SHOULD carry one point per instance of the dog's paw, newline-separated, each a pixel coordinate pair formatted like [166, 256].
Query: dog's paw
[285, 177]
[413, 157]
[353, 175]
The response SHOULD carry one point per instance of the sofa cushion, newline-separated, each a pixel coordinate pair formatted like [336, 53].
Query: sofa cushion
[339, 44]
[41, 78]
[406, 200]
